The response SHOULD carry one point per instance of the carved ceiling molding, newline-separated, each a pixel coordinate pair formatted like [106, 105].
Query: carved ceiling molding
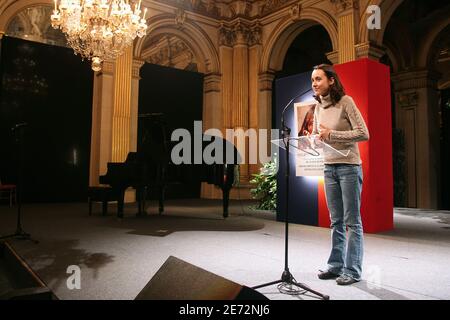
[169, 51]
[230, 9]
[240, 33]
[344, 5]
[295, 11]
[272, 5]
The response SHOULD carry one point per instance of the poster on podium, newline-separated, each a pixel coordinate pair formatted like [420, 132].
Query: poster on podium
[310, 152]
[308, 163]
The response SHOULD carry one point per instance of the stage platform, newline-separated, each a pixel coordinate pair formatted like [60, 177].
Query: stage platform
[117, 258]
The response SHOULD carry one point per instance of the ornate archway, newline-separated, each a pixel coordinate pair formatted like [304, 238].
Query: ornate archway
[189, 33]
[32, 23]
[15, 7]
[388, 8]
[415, 83]
[285, 33]
[198, 47]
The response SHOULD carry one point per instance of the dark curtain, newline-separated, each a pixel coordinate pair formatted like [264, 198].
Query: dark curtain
[49, 90]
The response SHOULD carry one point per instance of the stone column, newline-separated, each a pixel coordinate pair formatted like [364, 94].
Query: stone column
[112, 117]
[240, 113]
[102, 109]
[265, 82]
[417, 112]
[212, 107]
[212, 119]
[134, 107]
[255, 53]
[121, 132]
[347, 12]
[226, 40]
[217, 95]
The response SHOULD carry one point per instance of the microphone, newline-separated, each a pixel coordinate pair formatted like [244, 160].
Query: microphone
[283, 124]
[18, 125]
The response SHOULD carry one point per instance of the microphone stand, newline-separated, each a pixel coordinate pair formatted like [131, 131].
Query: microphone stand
[20, 233]
[287, 279]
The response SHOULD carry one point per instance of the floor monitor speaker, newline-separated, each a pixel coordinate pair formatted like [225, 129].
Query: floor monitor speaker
[180, 280]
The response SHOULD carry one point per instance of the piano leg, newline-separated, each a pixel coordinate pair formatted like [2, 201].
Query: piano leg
[141, 195]
[104, 207]
[161, 199]
[226, 197]
[120, 204]
[144, 197]
[90, 206]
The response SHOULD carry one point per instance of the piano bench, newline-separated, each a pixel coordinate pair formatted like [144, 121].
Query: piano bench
[103, 194]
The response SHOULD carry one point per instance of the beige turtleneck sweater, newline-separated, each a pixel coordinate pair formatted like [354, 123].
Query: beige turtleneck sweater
[347, 128]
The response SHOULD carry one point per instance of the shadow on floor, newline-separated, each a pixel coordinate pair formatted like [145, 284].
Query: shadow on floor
[184, 215]
[51, 259]
[379, 292]
[165, 224]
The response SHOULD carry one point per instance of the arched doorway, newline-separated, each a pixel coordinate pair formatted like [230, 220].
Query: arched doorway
[308, 49]
[439, 59]
[275, 57]
[170, 85]
[179, 79]
[408, 37]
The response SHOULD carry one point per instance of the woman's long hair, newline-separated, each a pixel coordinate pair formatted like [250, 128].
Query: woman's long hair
[336, 89]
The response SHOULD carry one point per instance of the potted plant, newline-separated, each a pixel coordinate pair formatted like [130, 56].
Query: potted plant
[265, 190]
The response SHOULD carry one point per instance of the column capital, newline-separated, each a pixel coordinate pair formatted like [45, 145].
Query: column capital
[407, 99]
[369, 50]
[344, 7]
[333, 56]
[212, 82]
[255, 35]
[136, 67]
[107, 68]
[414, 79]
[226, 36]
[265, 80]
[240, 33]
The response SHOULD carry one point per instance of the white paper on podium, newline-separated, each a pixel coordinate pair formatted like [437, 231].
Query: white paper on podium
[309, 153]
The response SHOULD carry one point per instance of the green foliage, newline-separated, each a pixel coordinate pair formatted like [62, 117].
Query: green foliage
[266, 186]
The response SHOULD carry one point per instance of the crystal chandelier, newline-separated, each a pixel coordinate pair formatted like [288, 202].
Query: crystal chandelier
[99, 30]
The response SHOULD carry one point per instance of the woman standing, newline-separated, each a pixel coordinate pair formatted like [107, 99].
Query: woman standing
[338, 122]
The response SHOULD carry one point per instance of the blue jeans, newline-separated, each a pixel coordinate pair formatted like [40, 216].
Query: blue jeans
[343, 186]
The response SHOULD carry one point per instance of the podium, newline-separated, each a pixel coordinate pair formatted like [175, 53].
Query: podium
[310, 153]
[311, 145]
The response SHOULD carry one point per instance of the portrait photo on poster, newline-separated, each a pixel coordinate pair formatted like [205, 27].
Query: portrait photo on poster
[309, 161]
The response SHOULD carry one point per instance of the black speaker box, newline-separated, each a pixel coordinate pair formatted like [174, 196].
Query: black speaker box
[17, 280]
[180, 280]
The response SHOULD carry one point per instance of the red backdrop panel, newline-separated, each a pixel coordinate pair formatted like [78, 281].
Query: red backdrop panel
[324, 216]
[368, 82]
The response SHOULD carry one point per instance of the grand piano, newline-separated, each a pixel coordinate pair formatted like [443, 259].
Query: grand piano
[150, 168]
